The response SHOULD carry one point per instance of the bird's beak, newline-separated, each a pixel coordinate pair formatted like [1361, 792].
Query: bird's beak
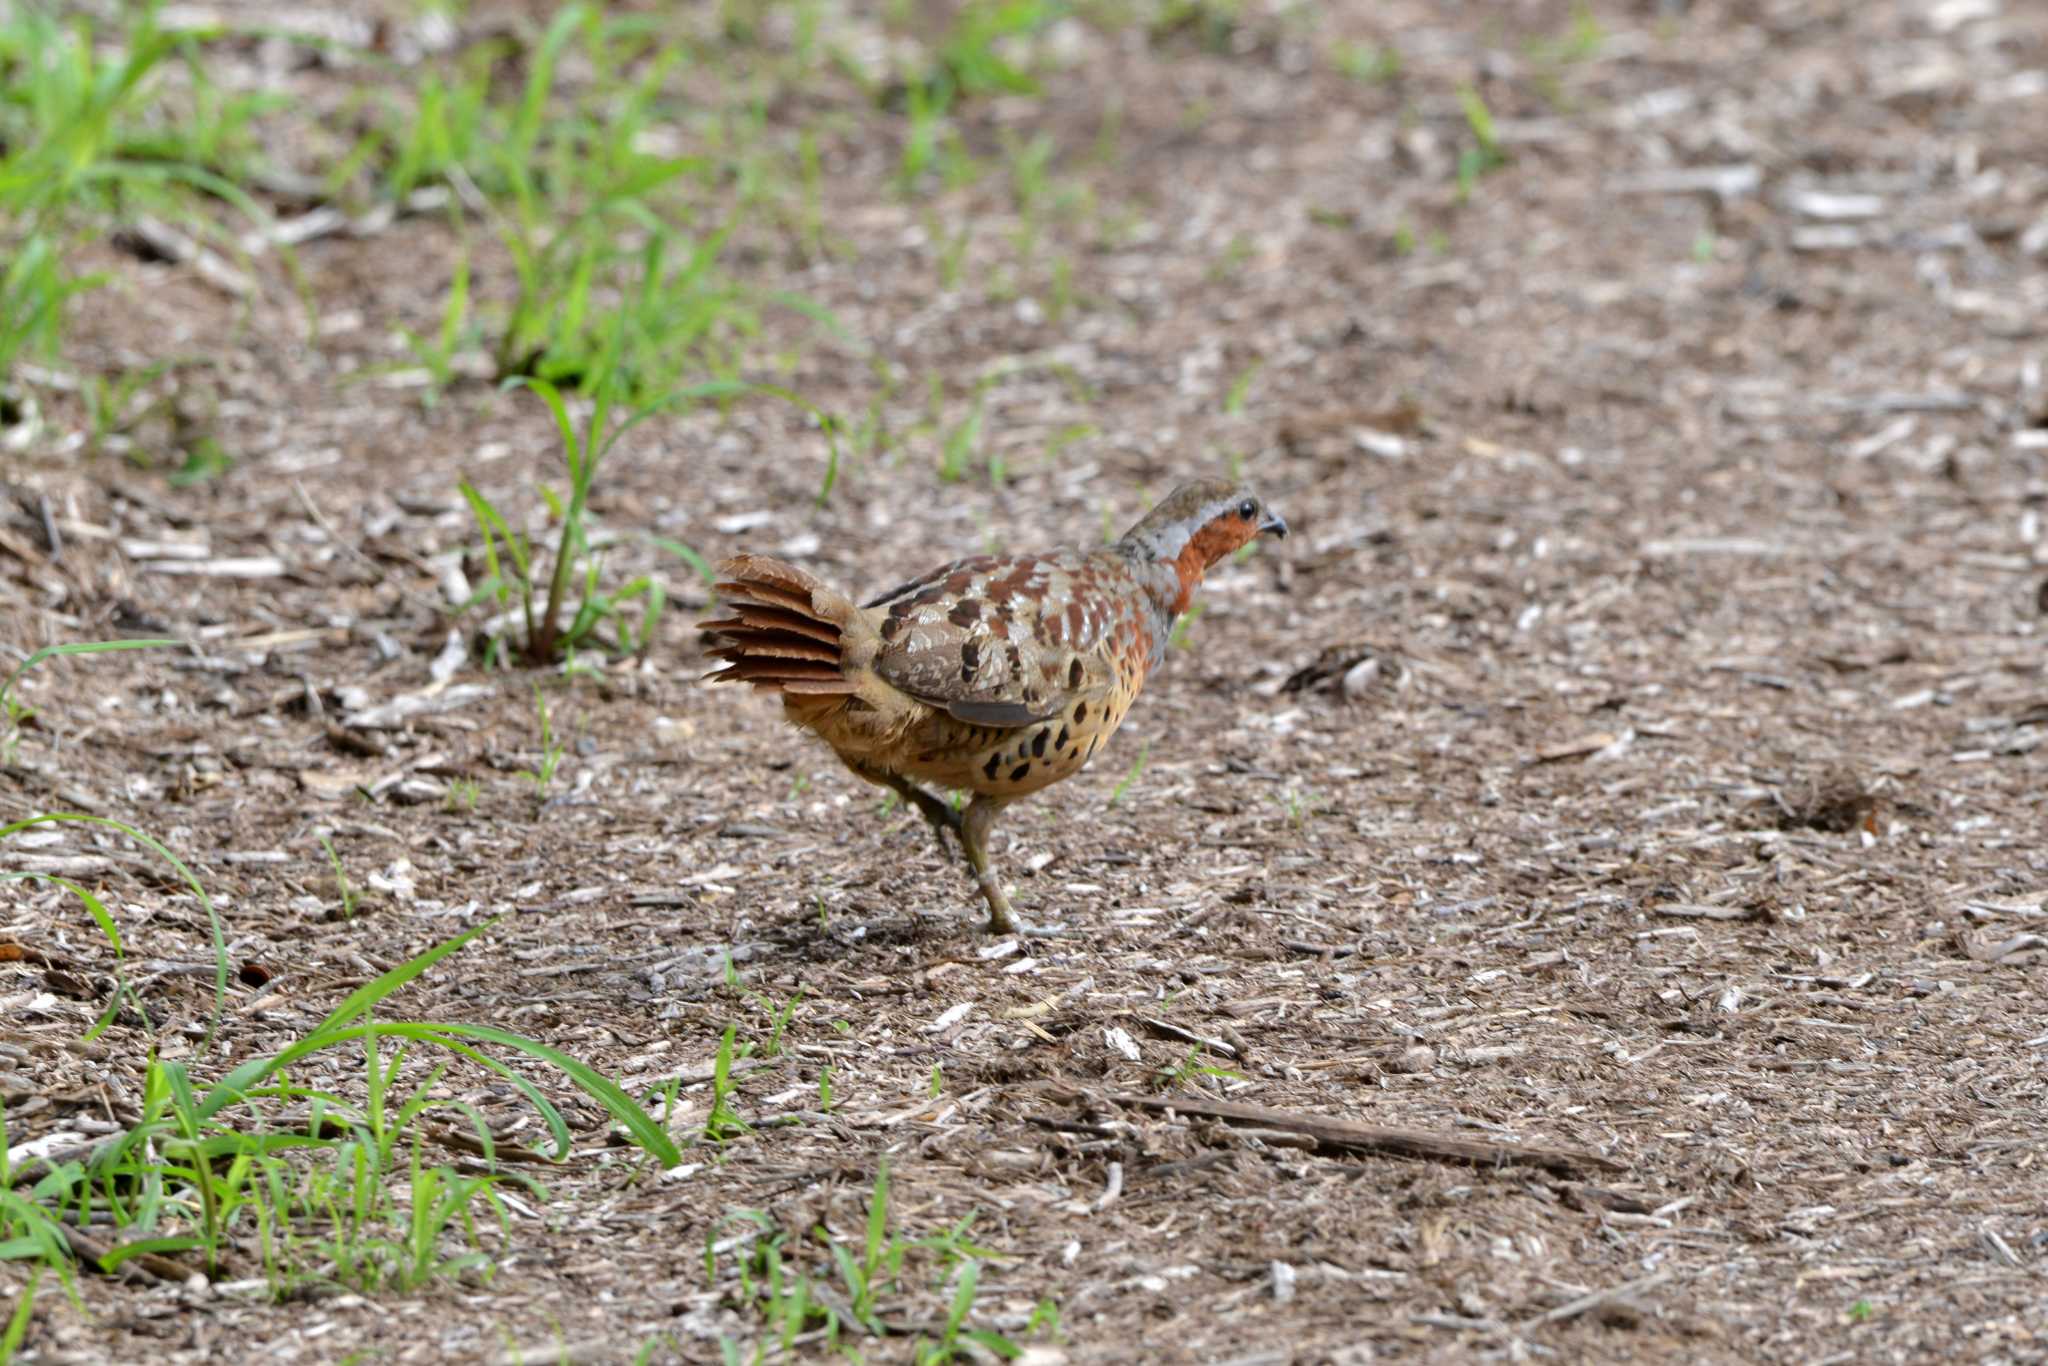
[1274, 525]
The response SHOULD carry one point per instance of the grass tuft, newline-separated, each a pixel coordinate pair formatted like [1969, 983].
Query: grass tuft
[300, 1185]
[847, 1292]
[92, 139]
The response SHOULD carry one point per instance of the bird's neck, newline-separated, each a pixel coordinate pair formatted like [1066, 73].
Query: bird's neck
[1169, 583]
[1176, 560]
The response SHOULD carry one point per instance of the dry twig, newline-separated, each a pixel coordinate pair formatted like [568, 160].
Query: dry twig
[1349, 1135]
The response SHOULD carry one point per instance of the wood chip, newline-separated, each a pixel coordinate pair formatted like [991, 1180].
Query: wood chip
[1573, 749]
[1723, 182]
[1695, 911]
[1166, 1029]
[396, 712]
[951, 1017]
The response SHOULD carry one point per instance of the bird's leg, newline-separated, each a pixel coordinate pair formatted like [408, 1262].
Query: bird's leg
[981, 814]
[941, 816]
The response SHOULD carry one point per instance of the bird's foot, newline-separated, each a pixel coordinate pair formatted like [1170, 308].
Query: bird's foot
[1001, 918]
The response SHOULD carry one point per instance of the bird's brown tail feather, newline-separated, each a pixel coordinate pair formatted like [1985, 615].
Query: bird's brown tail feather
[784, 632]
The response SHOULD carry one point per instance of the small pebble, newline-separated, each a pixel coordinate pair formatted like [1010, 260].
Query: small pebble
[1417, 1058]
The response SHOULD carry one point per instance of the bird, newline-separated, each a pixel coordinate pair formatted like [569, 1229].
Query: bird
[993, 676]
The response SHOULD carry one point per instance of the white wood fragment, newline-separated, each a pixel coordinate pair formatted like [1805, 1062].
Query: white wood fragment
[950, 1018]
[454, 653]
[181, 247]
[229, 567]
[1727, 182]
[44, 1146]
[394, 713]
[723, 872]
[1834, 207]
[1113, 1188]
[1832, 237]
[1620, 745]
[1882, 439]
[163, 550]
[2002, 1250]
[1677, 546]
[1385, 445]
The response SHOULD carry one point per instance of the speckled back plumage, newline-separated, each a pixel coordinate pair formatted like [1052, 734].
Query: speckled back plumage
[1029, 662]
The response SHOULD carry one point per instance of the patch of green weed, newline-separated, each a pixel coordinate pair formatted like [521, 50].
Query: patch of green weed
[1484, 155]
[263, 1169]
[90, 139]
[783, 1282]
[1137, 767]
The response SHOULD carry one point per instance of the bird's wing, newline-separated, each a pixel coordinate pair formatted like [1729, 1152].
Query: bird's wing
[1002, 641]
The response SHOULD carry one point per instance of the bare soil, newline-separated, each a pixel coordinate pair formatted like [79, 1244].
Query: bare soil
[1638, 748]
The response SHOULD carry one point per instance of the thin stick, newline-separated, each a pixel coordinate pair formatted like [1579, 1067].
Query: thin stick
[1349, 1134]
[1571, 1309]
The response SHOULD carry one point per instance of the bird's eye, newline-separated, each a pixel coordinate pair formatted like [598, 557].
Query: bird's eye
[1247, 509]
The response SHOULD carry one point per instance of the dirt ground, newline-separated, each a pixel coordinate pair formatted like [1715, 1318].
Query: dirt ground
[1637, 749]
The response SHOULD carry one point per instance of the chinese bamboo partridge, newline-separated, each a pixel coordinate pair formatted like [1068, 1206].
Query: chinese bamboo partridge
[994, 675]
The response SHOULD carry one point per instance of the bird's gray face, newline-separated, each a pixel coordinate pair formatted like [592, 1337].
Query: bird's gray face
[1248, 511]
[1225, 525]
[1202, 522]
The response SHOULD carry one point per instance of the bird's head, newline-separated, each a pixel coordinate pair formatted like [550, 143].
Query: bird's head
[1197, 525]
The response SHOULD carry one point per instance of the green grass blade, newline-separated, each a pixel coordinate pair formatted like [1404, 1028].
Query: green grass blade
[646, 1131]
[220, 942]
[238, 1083]
[17, 1322]
[337, 1028]
[572, 446]
[541, 79]
[993, 1343]
[98, 911]
[495, 529]
[84, 647]
[40, 1238]
[370, 993]
[878, 1218]
[687, 556]
[116, 1255]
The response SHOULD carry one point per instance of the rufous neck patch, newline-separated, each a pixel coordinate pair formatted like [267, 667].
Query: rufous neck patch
[1210, 543]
